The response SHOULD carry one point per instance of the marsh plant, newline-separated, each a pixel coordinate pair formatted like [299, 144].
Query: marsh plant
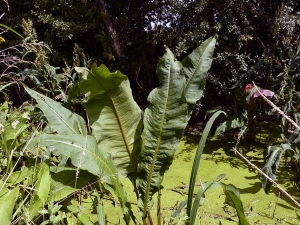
[119, 141]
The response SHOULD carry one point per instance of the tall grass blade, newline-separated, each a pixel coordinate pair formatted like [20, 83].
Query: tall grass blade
[6, 85]
[100, 211]
[12, 30]
[42, 188]
[197, 160]
[197, 201]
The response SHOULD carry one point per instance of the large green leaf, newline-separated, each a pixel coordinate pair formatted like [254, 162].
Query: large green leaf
[60, 119]
[7, 204]
[164, 122]
[195, 68]
[84, 153]
[65, 182]
[113, 114]
[170, 107]
[81, 149]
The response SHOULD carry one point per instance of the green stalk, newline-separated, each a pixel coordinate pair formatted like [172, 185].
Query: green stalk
[159, 218]
[148, 184]
[197, 201]
[197, 161]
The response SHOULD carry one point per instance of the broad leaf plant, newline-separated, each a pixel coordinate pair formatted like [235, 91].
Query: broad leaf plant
[118, 139]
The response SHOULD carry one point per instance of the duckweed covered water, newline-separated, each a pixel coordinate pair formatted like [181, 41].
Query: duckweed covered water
[217, 159]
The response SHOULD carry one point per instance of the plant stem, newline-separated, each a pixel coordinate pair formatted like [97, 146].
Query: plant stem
[10, 161]
[255, 167]
[266, 176]
[159, 222]
[276, 108]
[276, 205]
[150, 218]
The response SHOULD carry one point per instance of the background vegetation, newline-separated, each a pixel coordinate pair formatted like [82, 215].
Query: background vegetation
[42, 42]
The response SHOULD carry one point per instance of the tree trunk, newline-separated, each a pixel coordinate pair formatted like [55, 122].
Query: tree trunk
[111, 30]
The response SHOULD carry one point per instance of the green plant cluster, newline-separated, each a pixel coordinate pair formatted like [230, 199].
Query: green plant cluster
[91, 126]
[119, 141]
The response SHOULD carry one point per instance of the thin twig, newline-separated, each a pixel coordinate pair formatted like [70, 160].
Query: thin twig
[137, 76]
[255, 167]
[293, 132]
[276, 108]
[6, 1]
[276, 205]
[21, 154]
[266, 176]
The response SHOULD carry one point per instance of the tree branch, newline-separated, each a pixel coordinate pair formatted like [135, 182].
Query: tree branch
[267, 177]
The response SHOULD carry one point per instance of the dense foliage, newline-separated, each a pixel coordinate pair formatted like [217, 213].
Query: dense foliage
[256, 40]
[47, 49]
